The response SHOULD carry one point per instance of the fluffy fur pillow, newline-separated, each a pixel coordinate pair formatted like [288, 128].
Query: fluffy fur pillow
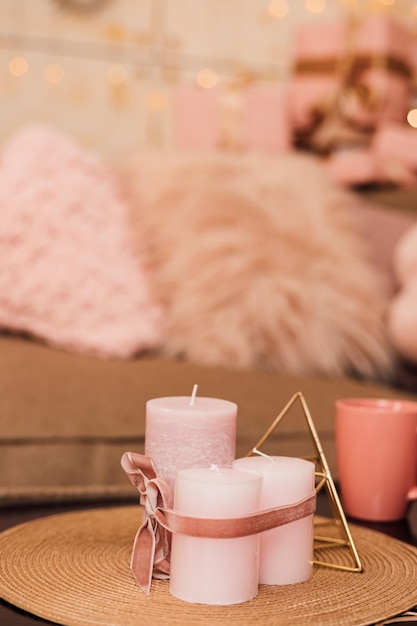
[69, 272]
[258, 262]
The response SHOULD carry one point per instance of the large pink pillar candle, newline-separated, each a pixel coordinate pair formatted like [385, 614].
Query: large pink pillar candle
[215, 571]
[183, 432]
[286, 552]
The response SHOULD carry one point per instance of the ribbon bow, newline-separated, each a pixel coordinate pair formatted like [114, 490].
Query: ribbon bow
[151, 548]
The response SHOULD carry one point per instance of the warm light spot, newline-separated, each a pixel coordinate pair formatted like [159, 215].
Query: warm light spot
[116, 74]
[387, 2]
[207, 78]
[54, 73]
[315, 6]
[412, 118]
[115, 33]
[278, 8]
[18, 66]
[156, 100]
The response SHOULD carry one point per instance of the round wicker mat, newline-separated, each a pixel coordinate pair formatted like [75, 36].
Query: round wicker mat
[73, 569]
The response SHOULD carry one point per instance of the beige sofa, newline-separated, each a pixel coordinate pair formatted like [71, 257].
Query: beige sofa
[66, 419]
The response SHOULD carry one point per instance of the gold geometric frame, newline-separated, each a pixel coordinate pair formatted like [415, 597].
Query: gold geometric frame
[343, 538]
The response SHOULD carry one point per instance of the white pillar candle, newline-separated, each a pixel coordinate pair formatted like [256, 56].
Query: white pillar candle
[286, 552]
[184, 432]
[207, 570]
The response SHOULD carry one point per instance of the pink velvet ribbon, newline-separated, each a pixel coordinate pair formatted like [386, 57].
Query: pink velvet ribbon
[151, 548]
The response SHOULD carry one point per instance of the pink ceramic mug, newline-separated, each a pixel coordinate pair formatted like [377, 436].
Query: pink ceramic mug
[376, 457]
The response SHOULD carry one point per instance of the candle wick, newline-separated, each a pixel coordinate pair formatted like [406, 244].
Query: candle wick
[193, 395]
[266, 456]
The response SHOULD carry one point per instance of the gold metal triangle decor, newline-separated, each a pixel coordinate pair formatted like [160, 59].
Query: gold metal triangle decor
[340, 536]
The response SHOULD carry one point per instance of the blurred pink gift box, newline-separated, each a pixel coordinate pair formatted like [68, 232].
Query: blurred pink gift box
[395, 149]
[390, 157]
[253, 118]
[362, 68]
[353, 167]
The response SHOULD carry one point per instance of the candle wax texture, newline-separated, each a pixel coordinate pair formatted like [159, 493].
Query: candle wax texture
[286, 552]
[215, 571]
[181, 435]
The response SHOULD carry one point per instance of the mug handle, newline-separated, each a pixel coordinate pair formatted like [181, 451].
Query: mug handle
[412, 494]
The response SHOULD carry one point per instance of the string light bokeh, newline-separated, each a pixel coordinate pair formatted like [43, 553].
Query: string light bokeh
[18, 66]
[140, 50]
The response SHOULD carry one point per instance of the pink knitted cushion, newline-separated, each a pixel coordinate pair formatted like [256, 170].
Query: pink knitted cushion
[69, 273]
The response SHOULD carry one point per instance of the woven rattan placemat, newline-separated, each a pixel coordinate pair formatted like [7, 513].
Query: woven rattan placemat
[73, 569]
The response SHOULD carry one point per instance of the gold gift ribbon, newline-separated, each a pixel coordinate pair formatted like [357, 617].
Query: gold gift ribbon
[360, 63]
[231, 113]
[331, 124]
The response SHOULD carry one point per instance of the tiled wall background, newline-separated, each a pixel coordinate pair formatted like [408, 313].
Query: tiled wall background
[104, 70]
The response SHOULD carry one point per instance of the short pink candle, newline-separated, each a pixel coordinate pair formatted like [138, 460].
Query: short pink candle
[286, 552]
[184, 432]
[207, 570]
